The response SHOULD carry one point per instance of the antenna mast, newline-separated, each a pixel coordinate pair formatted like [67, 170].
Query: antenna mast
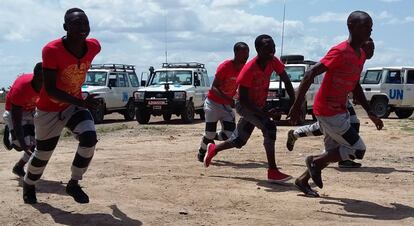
[165, 36]
[283, 26]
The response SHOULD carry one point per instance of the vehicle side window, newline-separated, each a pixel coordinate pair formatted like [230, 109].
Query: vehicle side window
[393, 77]
[201, 77]
[133, 79]
[410, 77]
[206, 79]
[112, 80]
[122, 80]
[372, 77]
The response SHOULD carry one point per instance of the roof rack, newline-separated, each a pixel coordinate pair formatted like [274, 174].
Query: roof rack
[183, 65]
[115, 67]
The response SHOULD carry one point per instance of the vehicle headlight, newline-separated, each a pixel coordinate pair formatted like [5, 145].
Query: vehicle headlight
[139, 96]
[179, 95]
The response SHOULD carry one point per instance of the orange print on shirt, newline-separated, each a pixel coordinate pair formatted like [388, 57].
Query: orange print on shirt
[73, 77]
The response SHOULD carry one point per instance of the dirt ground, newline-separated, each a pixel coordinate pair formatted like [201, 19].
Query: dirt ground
[149, 175]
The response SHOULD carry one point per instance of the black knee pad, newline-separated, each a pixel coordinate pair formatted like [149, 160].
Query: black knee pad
[359, 154]
[355, 126]
[47, 145]
[88, 139]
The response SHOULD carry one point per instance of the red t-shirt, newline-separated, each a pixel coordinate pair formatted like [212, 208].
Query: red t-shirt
[71, 71]
[227, 75]
[344, 70]
[22, 94]
[257, 80]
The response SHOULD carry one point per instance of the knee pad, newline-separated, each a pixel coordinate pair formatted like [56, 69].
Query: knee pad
[88, 139]
[359, 154]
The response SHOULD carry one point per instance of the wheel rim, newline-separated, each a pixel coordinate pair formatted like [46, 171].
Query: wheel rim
[380, 109]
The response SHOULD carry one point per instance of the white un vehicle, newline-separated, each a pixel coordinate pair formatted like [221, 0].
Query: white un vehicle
[176, 88]
[390, 89]
[115, 85]
[295, 67]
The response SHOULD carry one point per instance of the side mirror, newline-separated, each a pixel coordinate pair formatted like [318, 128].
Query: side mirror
[143, 83]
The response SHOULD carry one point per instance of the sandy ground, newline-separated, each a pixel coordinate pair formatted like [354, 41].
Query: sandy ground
[148, 175]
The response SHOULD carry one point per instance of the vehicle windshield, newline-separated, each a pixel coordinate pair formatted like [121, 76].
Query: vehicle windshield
[295, 73]
[172, 77]
[95, 78]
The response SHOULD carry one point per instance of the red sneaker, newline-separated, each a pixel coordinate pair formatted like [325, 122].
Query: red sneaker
[274, 175]
[211, 152]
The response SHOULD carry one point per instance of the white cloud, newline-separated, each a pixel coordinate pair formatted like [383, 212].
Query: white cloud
[329, 17]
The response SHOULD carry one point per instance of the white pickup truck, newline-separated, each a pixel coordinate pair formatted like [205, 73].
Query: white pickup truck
[114, 85]
[390, 89]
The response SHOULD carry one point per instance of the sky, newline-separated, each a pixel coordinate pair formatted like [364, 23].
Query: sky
[140, 32]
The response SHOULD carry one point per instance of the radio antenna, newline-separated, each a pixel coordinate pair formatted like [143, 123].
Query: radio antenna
[283, 27]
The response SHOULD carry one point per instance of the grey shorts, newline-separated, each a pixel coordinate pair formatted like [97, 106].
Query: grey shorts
[339, 134]
[215, 112]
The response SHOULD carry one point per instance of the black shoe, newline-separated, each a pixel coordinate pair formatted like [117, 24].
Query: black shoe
[29, 194]
[73, 189]
[306, 189]
[291, 139]
[18, 170]
[348, 164]
[314, 173]
[6, 141]
[201, 154]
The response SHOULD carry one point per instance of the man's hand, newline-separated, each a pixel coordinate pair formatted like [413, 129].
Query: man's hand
[377, 121]
[91, 102]
[274, 114]
[294, 114]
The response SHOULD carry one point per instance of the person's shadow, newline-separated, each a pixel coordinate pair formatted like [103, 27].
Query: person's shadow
[365, 209]
[372, 169]
[69, 218]
[249, 165]
[47, 186]
[268, 186]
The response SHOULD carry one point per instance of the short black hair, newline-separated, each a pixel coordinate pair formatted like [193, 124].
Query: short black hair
[356, 17]
[240, 46]
[37, 70]
[72, 10]
[258, 42]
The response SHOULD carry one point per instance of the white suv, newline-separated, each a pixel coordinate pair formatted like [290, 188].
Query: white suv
[176, 88]
[295, 67]
[114, 84]
[390, 89]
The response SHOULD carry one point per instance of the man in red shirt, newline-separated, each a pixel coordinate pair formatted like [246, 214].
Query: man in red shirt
[18, 116]
[343, 65]
[65, 63]
[219, 103]
[253, 85]
[315, 129]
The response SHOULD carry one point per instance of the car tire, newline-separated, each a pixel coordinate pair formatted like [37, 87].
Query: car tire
[129, 112]
[142, 116]
[166, 116]
[98, 114]
[403, 113]
[187, 115]
[380, 107]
